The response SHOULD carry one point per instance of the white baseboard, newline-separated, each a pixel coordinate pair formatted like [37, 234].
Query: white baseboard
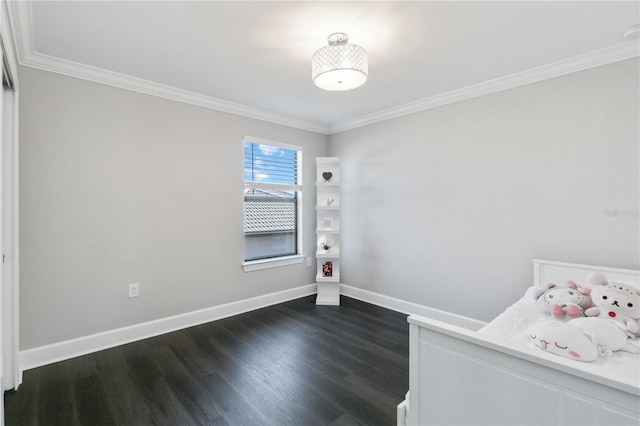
[48, 354]
[410, 308]
[60, 351]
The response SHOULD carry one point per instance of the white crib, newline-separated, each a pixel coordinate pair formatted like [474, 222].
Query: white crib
[459, 376]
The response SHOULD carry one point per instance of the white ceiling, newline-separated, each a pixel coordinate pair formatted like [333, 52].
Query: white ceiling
[254, 57]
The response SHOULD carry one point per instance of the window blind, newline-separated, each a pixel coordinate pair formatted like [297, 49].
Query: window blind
[270, 165]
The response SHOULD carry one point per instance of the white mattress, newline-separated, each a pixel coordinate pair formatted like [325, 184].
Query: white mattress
[510, 329]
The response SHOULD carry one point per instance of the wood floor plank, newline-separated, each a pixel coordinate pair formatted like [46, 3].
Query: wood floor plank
[57, 398]
[23, 409]
[124, 399]
[90, 397]
[271, 390]
[294, 363]
[355, 352]
[187, 388]
[234, 407]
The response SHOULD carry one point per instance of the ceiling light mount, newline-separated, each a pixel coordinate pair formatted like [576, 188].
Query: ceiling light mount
[338, 38]
[340, 65]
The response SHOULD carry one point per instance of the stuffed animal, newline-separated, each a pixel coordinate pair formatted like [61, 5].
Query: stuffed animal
[617, 302]
[558, 301]
[608, 334]
[565, 340]
[581, 339]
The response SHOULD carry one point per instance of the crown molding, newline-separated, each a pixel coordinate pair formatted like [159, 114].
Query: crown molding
[21, 17]
[21, 14]
[596, 58]
[98, 75]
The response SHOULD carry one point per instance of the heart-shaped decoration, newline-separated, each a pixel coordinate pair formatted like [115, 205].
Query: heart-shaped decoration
[327, 176]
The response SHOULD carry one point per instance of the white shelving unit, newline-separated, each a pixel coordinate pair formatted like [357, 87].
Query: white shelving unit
[328, 230]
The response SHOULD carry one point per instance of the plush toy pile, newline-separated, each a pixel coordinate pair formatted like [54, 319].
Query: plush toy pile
[586, 323]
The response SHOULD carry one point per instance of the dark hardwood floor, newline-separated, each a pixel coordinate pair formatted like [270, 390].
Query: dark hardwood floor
[290, 364]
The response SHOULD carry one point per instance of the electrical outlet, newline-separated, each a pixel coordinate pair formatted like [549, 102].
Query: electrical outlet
[309, 261]
[134, 290]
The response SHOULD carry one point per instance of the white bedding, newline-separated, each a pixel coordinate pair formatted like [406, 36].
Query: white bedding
[510, 329]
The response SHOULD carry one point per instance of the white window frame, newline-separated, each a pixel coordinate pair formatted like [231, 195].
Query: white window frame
[275, 262]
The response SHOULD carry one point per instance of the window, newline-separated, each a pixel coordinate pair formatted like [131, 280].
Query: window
[272, 191]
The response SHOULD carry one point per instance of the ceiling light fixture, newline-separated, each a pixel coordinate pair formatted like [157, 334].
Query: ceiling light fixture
[340, 65]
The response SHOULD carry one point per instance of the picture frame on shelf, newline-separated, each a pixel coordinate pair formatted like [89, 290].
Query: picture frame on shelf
[327, 269]
[326, 223]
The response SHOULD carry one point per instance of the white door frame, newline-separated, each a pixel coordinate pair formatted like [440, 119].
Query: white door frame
[2, 280]
[10, 375]
[9, 242]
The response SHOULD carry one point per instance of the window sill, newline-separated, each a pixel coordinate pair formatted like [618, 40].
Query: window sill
[257, 265]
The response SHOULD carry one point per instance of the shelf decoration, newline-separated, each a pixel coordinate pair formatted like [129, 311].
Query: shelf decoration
[324, 244]
[327, 269]
[327, 176]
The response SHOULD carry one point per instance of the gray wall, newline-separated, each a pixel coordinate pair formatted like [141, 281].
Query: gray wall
[447, 207]
[118, 187]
